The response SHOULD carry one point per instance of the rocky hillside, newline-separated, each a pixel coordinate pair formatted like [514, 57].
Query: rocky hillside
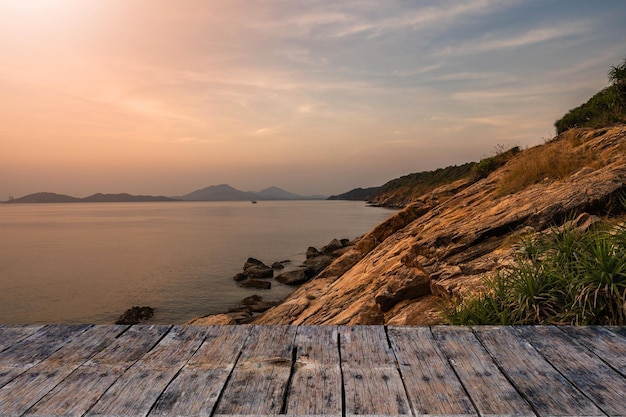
[440, 247]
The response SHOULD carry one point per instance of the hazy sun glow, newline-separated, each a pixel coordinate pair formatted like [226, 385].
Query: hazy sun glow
[164, 97]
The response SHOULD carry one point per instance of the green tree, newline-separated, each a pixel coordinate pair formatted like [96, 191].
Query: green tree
[617, 76]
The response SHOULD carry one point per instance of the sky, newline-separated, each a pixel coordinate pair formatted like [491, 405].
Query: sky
[164, 97]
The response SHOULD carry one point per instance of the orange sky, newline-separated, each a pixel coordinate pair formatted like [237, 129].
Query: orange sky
[165, 97]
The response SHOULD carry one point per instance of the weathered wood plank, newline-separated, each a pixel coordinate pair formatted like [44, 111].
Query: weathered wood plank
[544, 387]
[196, 389]
[77, 393]
[259, 381]
[432, 385]
[491, 392]
[136, 391]
[30, 351]
[28, 388]
[603, 385]
[11, 334]
[618, 330]
[609, 346]
[372, 381]
[316, 382]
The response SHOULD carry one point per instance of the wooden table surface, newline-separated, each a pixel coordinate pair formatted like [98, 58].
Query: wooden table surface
[61, 370]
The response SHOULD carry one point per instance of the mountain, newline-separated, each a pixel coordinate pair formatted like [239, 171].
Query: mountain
[123, 197]
[44, 198]
[275, 193]
[222, 192]
[225, 192]
[96, 198]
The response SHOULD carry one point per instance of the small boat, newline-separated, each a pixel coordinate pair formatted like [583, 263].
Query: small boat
[253, 202]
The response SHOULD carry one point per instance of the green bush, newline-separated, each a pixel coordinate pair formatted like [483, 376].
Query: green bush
[487, 165]
[603, 109]
[564, 277]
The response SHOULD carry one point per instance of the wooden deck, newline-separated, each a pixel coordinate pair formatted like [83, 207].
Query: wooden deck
[62, 370]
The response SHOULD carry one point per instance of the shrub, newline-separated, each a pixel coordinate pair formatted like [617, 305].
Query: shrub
[605, 108]
[563, 277]
[487, 165]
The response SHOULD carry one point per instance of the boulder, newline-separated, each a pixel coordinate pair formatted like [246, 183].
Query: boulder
[278, 265]
[296, 277]
[312, 252]
[332, 246]
[318, 263]
[240, 277]
[250, 262]
[259, 272]
[251, 300]
[253, 268]
[256, 283]
[135, 314]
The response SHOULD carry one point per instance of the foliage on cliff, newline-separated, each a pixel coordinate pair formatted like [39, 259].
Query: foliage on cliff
[402, 191]
[605, 108]
[564, 277]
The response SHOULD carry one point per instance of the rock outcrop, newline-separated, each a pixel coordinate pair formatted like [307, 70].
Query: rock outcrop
[442, 246]
[135, 315]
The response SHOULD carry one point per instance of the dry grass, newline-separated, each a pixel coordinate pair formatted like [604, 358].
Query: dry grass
[552, 161]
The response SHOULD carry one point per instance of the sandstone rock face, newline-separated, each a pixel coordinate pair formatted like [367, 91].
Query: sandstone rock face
[441, 247]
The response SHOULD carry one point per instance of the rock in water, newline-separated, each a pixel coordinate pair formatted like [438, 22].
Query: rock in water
[278, 265]
[136, 314]
[256, 283]
[296, 277]
[312, 252]
[253, 268]
[332, 246]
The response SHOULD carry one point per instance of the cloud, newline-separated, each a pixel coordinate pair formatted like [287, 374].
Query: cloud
[499, 41]
[351, 18]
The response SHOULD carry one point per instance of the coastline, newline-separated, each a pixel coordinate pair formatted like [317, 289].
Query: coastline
[251, 307]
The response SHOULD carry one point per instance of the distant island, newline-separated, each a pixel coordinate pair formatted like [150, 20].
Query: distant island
[223, 192]
[95, 198]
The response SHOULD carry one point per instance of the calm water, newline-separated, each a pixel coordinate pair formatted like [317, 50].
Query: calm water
[87, 263]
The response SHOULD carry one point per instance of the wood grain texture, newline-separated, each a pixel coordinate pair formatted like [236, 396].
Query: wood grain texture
[135, 392]
[316, 383]
[11, 334]
[607, 345]
[77, 393]
[431, 384]
[28, 352]
[196, 389]
[603, 385]
[326, 370]
[531, 374]
[489, 389]
[25, 390]
[259, 382]
[372, 382]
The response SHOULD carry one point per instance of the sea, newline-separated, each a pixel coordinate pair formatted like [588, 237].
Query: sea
[89, 262]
